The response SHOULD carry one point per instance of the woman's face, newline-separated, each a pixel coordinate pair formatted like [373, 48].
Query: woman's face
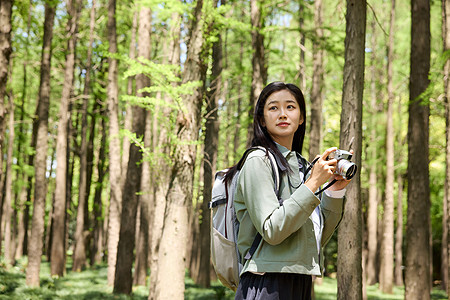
[282, 116]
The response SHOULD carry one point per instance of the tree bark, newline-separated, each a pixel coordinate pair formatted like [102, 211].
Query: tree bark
[79, 255]
[387, 256]
[98, 222]
[350, 232]
[125, 257]
[7, 201]
[5, 53]
[172, 252]
[115, 206]
[372, 205]
[445, 270]
[142, 244]
[40, 126]
[315, 131]
[301, 21]
[59, 217]
[161, 172]
[417, 274]
[210, 162]
[259, 69]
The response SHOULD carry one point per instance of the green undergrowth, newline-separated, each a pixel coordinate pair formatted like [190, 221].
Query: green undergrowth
[92, 284]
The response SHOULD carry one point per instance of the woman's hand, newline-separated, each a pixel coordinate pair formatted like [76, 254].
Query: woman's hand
[322, 171]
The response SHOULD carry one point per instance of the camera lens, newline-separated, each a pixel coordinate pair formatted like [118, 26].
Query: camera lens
[346, 168]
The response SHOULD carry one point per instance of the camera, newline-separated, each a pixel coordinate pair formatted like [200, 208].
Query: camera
[344, 166]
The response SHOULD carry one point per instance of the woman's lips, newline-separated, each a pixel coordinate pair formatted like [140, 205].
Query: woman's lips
[283, 124]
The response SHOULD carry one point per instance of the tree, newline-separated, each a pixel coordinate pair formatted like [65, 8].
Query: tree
[259, 68]
[5, 53]
[387, 255]
[350, 231]
[445, 271]
[40, 137]
[417, 275]
[172, 251]
[59, 214]
[114, 146]
[315, 130]
[210, 162]
[125, 257]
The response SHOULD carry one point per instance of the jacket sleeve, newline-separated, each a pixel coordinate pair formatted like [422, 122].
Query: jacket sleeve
[332, 211]
[273, 221]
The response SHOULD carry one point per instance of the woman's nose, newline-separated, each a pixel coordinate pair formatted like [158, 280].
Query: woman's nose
[282, 114]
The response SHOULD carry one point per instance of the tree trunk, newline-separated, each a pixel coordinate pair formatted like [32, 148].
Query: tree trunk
[349, 236]
[79, 255]
[128, 110]
[372, 205]
[399, 235]
[142, 244]
[59, 217]
[114, 147]
[125, 257]
[445, 271]
[40, 126]
[21, 199]
[7, 201]
[315, 131]
[210, 162]
[161, 173]
[172, 252]
[259, 69]
[417, 272]
[387, 255]
[5, 53]
[98, 232]
[301, 13]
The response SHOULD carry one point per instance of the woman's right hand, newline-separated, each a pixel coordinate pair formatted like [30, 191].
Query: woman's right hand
[322, 170]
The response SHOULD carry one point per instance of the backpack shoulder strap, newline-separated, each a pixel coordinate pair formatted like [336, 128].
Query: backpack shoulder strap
[275, 170]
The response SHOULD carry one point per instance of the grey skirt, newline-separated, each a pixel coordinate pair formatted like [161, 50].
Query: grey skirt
[274, 286]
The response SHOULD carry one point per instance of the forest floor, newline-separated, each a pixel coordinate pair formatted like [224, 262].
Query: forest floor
[92, 284]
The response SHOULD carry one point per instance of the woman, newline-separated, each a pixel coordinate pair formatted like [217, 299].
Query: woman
[295, 232]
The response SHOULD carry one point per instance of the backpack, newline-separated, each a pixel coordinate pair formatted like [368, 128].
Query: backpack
[225, 226]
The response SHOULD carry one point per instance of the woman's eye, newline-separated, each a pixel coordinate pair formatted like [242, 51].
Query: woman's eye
[291, 107]
[272, 108]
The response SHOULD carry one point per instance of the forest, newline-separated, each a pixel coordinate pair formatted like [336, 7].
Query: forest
[115, 116]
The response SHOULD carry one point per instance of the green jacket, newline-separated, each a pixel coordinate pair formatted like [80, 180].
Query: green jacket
[289, 244]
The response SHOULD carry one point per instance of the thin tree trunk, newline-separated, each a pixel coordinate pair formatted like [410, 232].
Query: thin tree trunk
[142, 244]
[172, 252]
[40, 126]
[209, 162]
[301, 21]
[372, 205]
[315, 131]
[399, 235]
[350, 232]
[445, 270]
[7, 202]
[79, 255]
[259, 70]
[58, 254]
[21, 200]
[125, 257]
[128, 110]
[5, 53]
[417, 274]
[387, 256]
[115, 205]
[98, 232]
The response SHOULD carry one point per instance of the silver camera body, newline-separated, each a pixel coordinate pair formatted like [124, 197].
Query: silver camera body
[344, 167]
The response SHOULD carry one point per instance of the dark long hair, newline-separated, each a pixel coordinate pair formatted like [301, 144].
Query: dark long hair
[261, 136]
